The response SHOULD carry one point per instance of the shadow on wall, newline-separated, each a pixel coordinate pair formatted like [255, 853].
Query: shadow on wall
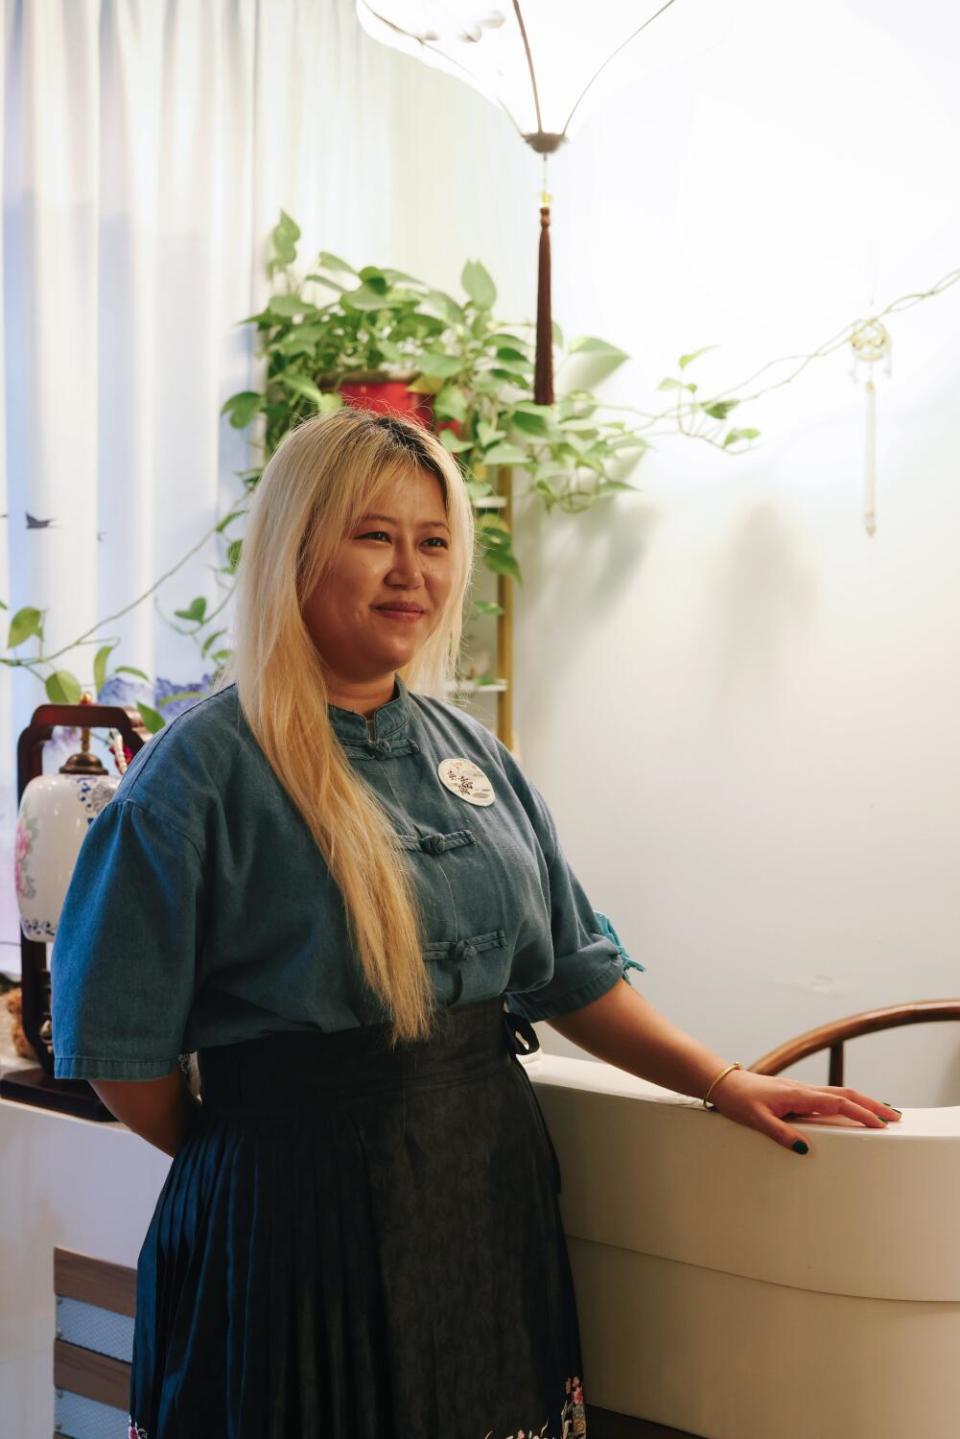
[594, 554]
[763, 590]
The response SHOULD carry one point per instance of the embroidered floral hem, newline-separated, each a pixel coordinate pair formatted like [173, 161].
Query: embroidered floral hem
[573, 1420]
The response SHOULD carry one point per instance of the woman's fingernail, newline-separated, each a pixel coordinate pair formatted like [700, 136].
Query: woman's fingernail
[799, 1147]
[893, 1107]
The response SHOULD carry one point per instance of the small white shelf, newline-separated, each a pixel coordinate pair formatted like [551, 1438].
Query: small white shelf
[489, 502]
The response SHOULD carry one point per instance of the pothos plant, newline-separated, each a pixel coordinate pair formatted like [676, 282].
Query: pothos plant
[337, 323]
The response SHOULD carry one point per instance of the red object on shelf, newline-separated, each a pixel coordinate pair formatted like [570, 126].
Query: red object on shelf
[389, 397]
[392, 397]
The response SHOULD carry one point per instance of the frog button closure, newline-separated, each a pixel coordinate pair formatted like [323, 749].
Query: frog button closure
[440, 843]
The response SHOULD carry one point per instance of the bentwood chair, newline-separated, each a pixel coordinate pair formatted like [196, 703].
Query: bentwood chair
[834, 1035]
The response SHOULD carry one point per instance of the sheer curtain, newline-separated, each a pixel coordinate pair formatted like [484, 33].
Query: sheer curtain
[148, 146]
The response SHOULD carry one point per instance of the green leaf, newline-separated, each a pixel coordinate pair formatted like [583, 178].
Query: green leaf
[721, 409]
[302, 386]
[221, 656]
[242, 407]
[325, 280]
[376, 278]
[478, 489]
[507, 352]
[505, 455]
[285, 235]
[195, 613]
[129, 670]
[233, 554]
[445, 305]
[477, 282]
[26, 622]
[557, 335]
[100, 666]
[453, 443]
[211, 640]
[432, 363]
[326, 261]
[671, 384]
[450, 403]
[487, 433]
[365, 297]
[529, 424]
[3, 605]
[425, 385]
[589, 344]
[734, 435]
[609, 486]
[502, 562]
[285, 307]
[63, 688]
[234, 514]
[487, 607]
[686, 360]
[151, 719]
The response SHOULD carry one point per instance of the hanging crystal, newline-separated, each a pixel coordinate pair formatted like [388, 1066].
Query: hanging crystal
[870, 343]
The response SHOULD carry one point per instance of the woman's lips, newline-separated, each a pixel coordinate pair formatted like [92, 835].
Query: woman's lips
[405, 616]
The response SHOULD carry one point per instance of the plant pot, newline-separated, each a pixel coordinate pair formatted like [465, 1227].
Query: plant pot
[392, 396]
[389, 397]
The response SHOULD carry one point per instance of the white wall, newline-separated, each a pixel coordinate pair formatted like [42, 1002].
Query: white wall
[741, 707]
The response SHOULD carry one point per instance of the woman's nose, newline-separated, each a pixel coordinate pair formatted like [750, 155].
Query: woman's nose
[406, 563]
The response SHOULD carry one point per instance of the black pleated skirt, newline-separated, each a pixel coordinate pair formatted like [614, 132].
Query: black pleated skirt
[359, 1244]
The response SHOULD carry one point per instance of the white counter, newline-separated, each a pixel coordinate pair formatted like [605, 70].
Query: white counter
[732, 1288]
[70, 1183]
[726, 1286]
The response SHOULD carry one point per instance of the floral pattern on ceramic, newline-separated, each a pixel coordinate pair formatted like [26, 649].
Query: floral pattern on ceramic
[26, 834]
[55, 813]
[94, 793]
[573, 1417]
[136, 1431]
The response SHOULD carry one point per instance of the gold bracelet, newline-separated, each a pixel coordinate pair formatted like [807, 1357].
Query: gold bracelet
[716, 1082]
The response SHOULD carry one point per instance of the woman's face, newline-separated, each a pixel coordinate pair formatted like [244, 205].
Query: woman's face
[388, 584]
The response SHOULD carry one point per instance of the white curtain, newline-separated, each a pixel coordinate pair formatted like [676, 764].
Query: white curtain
[148, 148]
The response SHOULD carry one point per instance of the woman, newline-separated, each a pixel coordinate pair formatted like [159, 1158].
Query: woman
[347, 898]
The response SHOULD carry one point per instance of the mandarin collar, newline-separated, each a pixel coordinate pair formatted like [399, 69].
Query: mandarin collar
[388, 721]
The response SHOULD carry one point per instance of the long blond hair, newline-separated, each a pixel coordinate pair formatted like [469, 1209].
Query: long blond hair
[320, 480]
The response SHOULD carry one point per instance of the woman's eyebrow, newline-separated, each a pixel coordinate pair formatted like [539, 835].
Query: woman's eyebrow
[392, 520]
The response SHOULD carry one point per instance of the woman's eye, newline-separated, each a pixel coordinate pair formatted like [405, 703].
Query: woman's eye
[374, 535]
[438, 540]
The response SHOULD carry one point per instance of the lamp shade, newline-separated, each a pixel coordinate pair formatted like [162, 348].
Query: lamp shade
[539, 60]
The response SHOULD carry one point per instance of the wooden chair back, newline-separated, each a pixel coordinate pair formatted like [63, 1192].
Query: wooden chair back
[833, 1036]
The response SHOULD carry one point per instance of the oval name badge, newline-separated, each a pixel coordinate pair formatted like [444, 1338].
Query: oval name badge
[466, 780]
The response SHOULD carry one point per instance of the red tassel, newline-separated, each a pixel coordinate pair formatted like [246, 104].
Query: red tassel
[543, 368]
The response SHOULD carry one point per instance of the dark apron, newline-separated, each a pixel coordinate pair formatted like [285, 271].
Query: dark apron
[362, 1244]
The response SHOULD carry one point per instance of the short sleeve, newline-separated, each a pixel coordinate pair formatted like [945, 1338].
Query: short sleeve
[588, 957]
[124, 959]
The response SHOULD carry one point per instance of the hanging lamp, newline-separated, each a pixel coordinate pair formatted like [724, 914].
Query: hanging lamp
[540, 61]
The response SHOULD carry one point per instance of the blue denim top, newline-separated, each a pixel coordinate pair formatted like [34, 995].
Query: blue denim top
[201, 911]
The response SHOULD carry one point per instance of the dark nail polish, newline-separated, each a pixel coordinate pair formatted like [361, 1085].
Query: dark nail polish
[799, 1147]
[892, 1106]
